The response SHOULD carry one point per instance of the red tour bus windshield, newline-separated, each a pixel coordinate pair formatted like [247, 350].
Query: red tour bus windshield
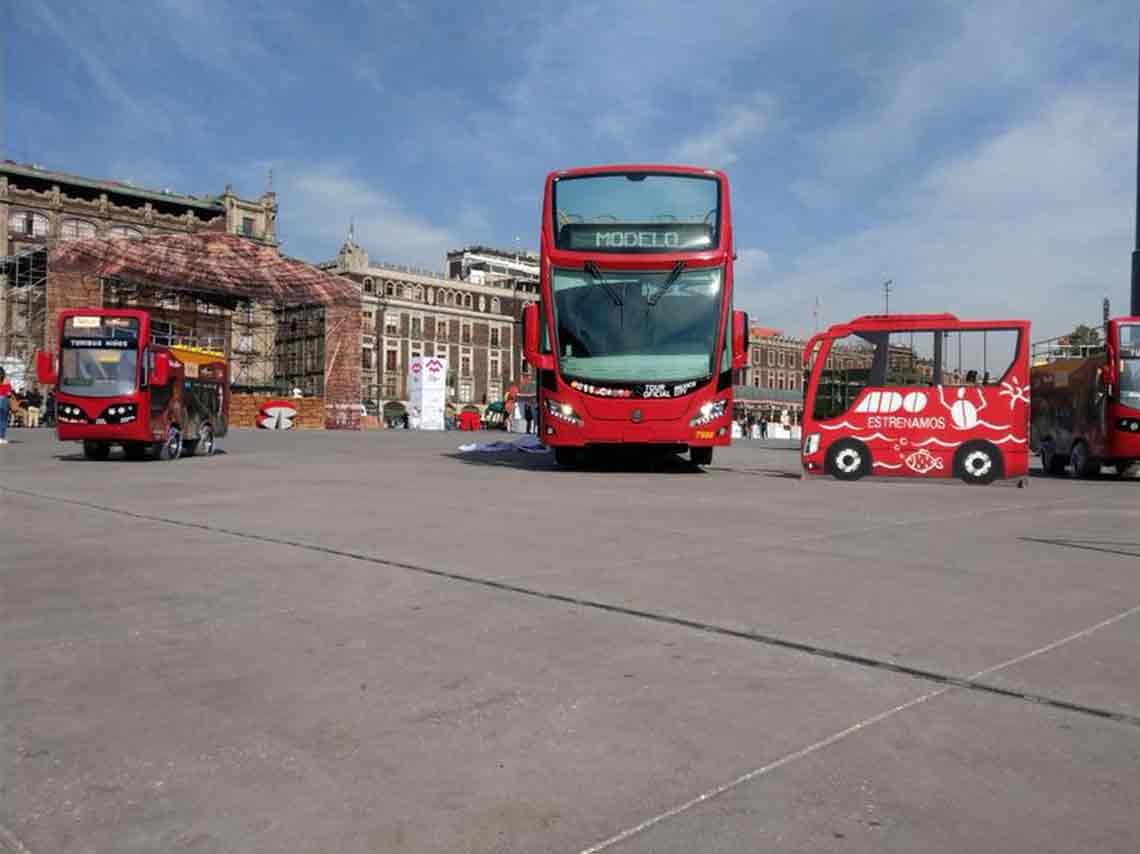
[99, 356]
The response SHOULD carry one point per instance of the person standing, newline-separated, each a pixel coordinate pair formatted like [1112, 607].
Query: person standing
[5, 406]
[49, 409]
[528, 417]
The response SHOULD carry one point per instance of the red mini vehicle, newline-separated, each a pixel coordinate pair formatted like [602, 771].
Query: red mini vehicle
[923, 395]
[113, 386]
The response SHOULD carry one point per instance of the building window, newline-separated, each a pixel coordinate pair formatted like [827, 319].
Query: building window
[76, 229]
[28, 224]
[417, 327]
[465, 392]
[391, 324]
[494, 336]
[247, 226]
[466, 339]
[783, 358]
[771, 358]
[390, 358]
[369, 285]
[467, 300]
[771, 379]
[389, 289]
[494, 365]
[124, 231]
[465, 365]
[495, 304]
[366, 359]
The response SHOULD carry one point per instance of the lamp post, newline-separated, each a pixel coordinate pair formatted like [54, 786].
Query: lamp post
[887, 285]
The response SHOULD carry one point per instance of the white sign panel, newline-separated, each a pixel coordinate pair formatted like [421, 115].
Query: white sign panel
[427, 390]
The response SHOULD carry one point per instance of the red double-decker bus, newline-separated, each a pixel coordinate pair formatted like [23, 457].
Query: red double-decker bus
[634, 339]
[1086, 402]
[115, 386]
[918, 395]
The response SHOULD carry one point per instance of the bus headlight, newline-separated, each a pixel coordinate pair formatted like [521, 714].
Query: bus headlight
[811, 444]
[562, 411]
[710, 411]
[1130, 424]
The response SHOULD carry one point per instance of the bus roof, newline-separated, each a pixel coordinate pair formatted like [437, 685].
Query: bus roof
[635, 167]
[907, 322]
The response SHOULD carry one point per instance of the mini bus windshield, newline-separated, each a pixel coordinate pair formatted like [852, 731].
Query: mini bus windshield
[636, 212]
[99, 356]
[654, 326]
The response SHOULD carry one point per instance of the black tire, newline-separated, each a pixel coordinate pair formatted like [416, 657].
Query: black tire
[204, 446]
[1084, 464]
[96, 450]
[848, 459]
[978, 463]
[702, 456]
[566, 457]
[135, 450]
[1052, 462]
[171, 448]
[1127, 469]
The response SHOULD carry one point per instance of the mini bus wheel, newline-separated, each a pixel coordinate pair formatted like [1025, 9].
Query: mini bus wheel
[171, 448]
[204, 447]
[701, 456]
[1127, 468]
[978, 462]
[848, 459]
[96, 450]
[1085, 465]
[1052, 462]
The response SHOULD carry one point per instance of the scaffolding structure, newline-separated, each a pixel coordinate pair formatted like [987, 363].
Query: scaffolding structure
[23, 306]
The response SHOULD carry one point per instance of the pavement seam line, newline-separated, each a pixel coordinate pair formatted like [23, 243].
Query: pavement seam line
[882, 665]
[716, 791]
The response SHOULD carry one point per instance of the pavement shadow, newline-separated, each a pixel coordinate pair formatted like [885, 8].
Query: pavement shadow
[617, 462]
[117, 456]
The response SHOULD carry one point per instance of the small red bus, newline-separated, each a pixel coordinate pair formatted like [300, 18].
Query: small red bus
[634, 339]
[924, 395]
[114, 386]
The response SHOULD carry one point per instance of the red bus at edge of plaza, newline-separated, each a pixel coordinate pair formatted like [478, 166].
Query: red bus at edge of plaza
[918, 395]
[115, 386]
[634, 339]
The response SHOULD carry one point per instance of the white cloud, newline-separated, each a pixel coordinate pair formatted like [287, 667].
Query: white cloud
[737, 124]
[1034, 222]
[318, 201]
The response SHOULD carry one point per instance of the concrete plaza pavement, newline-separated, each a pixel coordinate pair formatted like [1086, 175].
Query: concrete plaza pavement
[366, 642]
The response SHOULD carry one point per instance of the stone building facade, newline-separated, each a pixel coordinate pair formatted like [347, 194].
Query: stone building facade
[41, 207]
[409, 312]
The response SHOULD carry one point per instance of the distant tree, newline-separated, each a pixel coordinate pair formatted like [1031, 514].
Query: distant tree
[1084, 336]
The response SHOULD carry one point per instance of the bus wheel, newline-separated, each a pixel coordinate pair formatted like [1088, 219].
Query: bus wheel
[1052, 462]
[566, 457]
[134, 450]
[204, 447]
[701, 456]
[978, 462]
[171, 449]
[1128, 469]
[96, 450]
[848, 459]
[1084, 464]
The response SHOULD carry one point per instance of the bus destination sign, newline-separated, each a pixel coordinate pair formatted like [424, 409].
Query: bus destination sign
[635, 237]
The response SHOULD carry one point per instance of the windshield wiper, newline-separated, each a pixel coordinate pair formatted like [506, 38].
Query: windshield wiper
[674, 274]
[591, 267]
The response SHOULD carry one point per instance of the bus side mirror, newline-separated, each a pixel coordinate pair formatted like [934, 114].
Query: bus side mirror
[160, 372]
[46, 373]
[739, 339]
[532, 331]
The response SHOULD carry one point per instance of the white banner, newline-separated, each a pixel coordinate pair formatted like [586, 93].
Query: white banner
[427, 391]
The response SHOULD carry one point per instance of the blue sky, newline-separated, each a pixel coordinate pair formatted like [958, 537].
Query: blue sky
[981, 155]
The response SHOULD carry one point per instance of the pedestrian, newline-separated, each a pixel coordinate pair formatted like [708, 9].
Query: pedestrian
[528, 417]
[49, 409]
[33, 399]
[763, 428]
[5, 406]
